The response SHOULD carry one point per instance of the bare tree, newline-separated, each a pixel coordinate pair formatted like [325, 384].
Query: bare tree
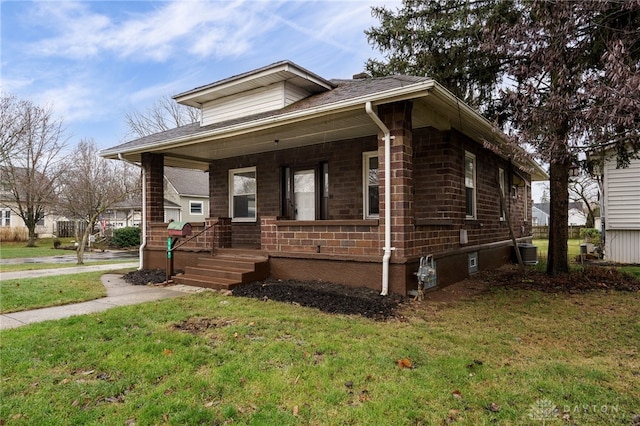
[584, 190]
[163, 115]
[95, 185]
[32, 139]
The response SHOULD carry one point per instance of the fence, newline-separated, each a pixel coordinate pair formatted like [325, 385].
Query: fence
[67, 228]
[542, 232]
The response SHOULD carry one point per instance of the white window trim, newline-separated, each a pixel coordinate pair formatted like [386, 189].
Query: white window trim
[502, 182]
[192, 203]
[527, 191]
[365, 183]
[232, 172]
[468, 155]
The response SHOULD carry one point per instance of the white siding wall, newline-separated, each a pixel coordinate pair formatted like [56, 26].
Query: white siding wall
[622, 196]
[622, 212]
[255, 101]
[623, 246]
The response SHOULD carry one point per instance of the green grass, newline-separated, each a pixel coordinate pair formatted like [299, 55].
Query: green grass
[573, 246]
[251, 362]
[43, 248]
[33, 293]
[9, 267]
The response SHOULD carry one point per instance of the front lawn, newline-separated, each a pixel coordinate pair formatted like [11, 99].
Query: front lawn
[506, 357]
[43, 248]
[33, 293]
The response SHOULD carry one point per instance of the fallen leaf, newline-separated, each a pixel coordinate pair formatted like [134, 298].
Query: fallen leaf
[86, 373]
[404, 363]
[16, 416]
[130, 422]
[167, 352]
[75, 403]
[457, 394]
[295, 411]
[209, 404]
[493, 407]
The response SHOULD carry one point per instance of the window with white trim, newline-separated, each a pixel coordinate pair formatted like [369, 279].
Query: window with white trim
[470, 185]
[370, 181]
[5, 218]
[503, 185]
[242, 194]
[196, 207]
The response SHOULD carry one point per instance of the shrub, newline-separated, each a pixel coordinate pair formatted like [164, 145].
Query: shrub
[126, 237]
[13, 234]
[590, 234]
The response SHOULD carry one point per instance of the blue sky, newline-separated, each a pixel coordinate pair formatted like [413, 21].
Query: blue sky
[92, 61]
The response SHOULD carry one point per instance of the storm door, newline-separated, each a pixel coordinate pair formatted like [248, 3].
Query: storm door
[305, 192]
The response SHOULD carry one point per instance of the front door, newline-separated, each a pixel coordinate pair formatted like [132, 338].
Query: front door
[304, 194]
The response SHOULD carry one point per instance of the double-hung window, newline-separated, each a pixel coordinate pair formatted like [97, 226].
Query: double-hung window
[470, 185]
[371, 179]
[242, 194]
[196, 207]
[503, 185]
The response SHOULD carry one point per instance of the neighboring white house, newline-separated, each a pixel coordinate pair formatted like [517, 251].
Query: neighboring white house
[186, 199]
[540, 214]
[620, 211]
[10, 219]
[188, 189]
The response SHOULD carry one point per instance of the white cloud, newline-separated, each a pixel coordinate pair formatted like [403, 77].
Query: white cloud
[201, 28]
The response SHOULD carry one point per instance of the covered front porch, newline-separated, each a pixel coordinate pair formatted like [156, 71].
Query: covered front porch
[345, 251]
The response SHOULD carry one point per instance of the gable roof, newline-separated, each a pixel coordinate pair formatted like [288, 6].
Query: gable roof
[546, 207]
[188, 182]
[261, 77]
[335, 113]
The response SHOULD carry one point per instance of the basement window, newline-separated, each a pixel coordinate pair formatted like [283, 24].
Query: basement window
[473, 262]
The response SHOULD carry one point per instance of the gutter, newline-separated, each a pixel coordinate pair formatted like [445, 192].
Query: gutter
[144, 210]
[387, 197]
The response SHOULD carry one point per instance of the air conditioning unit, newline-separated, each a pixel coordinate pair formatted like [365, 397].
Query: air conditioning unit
[528, 253]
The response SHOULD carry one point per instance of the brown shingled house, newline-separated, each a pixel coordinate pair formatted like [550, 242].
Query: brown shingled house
[350, 181]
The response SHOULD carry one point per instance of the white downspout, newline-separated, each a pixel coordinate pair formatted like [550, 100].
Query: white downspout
[144, 211]
[387, 197]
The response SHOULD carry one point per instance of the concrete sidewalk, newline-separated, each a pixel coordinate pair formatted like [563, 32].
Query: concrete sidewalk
[35, 273]
[119, 293]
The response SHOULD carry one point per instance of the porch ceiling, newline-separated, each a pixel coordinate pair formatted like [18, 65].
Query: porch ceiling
[344, 125]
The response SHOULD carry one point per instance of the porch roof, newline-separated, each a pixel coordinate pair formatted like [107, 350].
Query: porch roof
[334, 114]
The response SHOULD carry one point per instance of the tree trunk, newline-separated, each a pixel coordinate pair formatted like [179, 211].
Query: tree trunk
[32, 236]
[557, 260]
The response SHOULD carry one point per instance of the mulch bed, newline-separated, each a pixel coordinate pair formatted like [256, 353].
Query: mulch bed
[340, 299]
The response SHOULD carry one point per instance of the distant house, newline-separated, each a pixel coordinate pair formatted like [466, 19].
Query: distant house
[577, 215]
[11, 220]
[620, 212]
[186, 199]
[189, 190]
[349, 180]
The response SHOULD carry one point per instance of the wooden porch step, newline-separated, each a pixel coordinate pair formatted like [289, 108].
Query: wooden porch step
[225, 270]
